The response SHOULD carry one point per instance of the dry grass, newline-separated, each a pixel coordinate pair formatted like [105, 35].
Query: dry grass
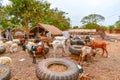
[57, 67]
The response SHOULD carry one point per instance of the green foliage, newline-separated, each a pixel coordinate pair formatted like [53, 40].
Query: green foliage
[56, 18]
[75, 27]
[4, 19]
[90, 26]
[92, 18]
[111, 27]
[24, 10]
[104, 27]
[36, 11]
[117, 24]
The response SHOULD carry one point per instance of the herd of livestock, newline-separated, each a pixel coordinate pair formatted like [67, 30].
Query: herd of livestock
[85, 46]
[78, 45]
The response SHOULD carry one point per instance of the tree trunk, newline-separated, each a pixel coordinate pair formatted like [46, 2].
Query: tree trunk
[27, 28]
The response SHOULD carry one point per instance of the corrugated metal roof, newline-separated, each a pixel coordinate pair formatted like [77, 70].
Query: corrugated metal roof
[54, 30]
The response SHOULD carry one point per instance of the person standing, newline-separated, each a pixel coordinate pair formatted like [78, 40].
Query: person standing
[9, 34]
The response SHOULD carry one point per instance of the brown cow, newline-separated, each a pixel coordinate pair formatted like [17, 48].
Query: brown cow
[99, 44]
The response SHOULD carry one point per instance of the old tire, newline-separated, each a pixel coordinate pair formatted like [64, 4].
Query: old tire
[75, 49]
[77, 42]
[43, 73]
[2, 50]
[7, 74]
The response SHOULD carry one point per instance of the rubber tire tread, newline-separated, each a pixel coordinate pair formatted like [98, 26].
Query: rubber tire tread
[75, 49]
[7, 75]
[43, 73]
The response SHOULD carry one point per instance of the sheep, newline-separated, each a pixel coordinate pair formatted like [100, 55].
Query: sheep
[6, 60]
[16, 41]
[2, 48]
[14, 47]
[8, 45]
[11, 46]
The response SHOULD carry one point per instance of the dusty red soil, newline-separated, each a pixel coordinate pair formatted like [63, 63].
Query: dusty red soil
[101, 69]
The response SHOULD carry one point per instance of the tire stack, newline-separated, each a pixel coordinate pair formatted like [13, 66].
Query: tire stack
[43, 73]
[75, 47]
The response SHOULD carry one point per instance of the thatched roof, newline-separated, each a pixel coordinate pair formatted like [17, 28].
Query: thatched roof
[54, 30]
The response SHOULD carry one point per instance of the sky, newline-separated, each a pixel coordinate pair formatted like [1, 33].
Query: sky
[77, 9]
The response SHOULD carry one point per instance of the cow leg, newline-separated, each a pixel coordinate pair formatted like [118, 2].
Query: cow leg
[43, 53]
[103, 51]
[54, 52]
[34, 58]
[80, 59]
[63, 50]
[106, 52]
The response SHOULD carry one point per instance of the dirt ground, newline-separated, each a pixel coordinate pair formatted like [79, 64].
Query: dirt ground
[101, 69]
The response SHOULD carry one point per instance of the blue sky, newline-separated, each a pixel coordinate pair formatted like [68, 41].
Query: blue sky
[77, 9]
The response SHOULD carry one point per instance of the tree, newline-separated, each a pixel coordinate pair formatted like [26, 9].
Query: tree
[25, 11]
[56, 17]
[92, 19]
[90, 26]
[117, 23]
[36, 11]
[75, 27]
[4, 19]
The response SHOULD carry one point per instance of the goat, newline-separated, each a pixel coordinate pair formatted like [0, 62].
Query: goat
[99, 44]
[6, 60]
[86, 51]
[34, 49]
[61, 38]
[45, 39]
[58, 43]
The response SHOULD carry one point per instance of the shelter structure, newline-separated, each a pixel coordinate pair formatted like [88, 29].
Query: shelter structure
[43, 29]
[82, 31]
[18, 33]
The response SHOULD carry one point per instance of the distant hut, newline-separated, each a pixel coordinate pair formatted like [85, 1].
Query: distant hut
[100, 31]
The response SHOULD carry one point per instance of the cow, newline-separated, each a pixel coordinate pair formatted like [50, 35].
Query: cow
[99, 44]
